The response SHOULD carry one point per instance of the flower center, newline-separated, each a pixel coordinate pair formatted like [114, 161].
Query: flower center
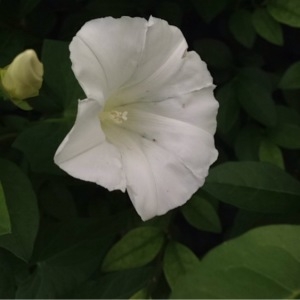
[116, 116]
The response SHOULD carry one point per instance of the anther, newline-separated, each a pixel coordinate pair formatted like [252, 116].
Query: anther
[118, 116]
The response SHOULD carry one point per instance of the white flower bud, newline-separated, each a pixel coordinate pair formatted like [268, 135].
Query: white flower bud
[23, 78]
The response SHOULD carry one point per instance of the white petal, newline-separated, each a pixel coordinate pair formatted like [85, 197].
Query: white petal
[193, 146]
[164, 45]
[179, 75]
[157, 181]
[198, 108]
[85, 153]
[105, 54]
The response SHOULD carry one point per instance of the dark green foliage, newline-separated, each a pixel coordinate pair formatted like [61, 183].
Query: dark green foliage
[237, 237]
[262, 264]
[22, 207]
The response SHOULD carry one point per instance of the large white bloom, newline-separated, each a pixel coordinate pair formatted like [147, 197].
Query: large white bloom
[148, 121]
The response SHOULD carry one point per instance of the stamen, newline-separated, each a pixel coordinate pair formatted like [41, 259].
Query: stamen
[118, 116]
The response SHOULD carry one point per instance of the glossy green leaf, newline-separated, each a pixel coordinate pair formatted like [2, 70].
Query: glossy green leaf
[262, 264]
[40, 142]
[214, 52]
[241, 27]
[269, 152]
[247, 143]
[59, 77]
[201, 214]
[22, 105]
[291, 77]
[22, 206]
[292, 97]
[229, 109]
[15, 123]
[5, 226]
[254, 186]
[60, 90]
[258, 76]
[285, 11]
[137, 248]
[57, 201]
[7, 276]
[267, 27]
[286, 135]
[246, 220]
[141, 294]
[63, 92]
[256, 98]
[116, 285]
[178, 261]
[287, 130]
[66, 255]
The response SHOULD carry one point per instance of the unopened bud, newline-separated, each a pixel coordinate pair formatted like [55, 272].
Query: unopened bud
[23, 78]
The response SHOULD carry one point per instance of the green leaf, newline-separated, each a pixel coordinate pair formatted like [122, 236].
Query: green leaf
[229, 109]
[255, 97]
[292, 97]
[22, 206]
[240, 25]
[247, 143]
[59, 76]
[208, 10]
[262, 264]
[117, 285]
[13, 271]
[285, 11]
[5, 226]
[287, 130]
[57, 201]
[258, 76]
[40, 142]
[60, 90]
[7, 276]
[66, 255]
[269, 152]
[14, 122]
[267, 27]
[247, 220]
[141, 294]
[214, 52]
[178, 261]
[254, 186]
[137, 248]
[22, 104]
[201, 214]
[291, 77]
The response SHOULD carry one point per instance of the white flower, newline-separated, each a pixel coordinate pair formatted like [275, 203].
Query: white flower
[23, 77]
[148, 121]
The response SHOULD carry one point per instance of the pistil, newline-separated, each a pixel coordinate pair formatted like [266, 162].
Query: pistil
[116, 116]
